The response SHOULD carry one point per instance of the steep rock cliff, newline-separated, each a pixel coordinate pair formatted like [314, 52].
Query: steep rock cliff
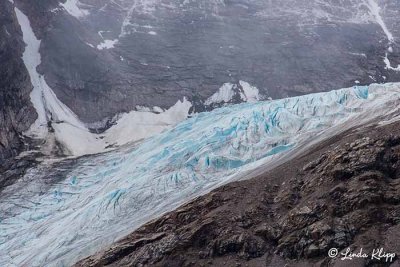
[16, 111]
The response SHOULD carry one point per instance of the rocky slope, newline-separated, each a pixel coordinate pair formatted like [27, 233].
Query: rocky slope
[105, 57]
[16, 111]
[343, 193]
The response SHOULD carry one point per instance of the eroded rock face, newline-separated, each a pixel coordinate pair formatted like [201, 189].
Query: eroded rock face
[345, 194]
[106, 57]
[110, 56]
[16, 111]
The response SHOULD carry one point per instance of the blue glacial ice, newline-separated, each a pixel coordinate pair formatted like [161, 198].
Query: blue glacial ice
[51, 218]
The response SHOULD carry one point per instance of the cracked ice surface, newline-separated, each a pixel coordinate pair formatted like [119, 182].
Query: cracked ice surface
[54, 220]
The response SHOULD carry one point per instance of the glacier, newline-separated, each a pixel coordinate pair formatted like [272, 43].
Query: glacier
[60, 212]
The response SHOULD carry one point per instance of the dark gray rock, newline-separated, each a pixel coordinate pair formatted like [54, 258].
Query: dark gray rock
[285, 49]
[16, 111]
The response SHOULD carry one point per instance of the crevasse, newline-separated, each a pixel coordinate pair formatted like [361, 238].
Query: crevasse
[54, 219]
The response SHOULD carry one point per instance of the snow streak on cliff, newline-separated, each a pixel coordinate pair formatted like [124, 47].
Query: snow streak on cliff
[57, 124]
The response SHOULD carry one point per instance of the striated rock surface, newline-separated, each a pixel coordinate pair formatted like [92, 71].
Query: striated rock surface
[106, 57]
[343, 193]
[16, 111]
[102, 58]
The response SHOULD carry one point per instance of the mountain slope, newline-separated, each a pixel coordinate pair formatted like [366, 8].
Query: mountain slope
[17, 113]
[126, 111]
[105, 57]
[102, 60]
[341, 193]
[89, 202]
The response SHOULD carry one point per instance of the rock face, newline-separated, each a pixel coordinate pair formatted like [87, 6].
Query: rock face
[16, 111]
[342, 194]
[105, 57]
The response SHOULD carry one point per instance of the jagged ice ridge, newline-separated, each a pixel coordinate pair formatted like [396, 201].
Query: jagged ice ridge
[102, 198]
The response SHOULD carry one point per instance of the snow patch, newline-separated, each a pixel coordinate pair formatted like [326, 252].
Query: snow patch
[107, 44]
[388, 65]
[144, 123]
[152, 33]
[68, 129]
[73, 8]
[375, 10]
[250, 93]
[359, 54]
[224, 94]
[89, 44]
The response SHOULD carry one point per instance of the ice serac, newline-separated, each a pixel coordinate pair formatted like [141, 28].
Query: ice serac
[102, 198]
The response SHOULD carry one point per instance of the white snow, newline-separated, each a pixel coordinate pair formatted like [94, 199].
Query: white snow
[388, 65]
[107, 44]
[152, 33]
[250, 93]
[375, 11]
[223, 95]
[138, 125]
[100, 33]
[89, 44]
[74, 9]
[359, 54]
[69, 131]
[140, 6]
[226, 92]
